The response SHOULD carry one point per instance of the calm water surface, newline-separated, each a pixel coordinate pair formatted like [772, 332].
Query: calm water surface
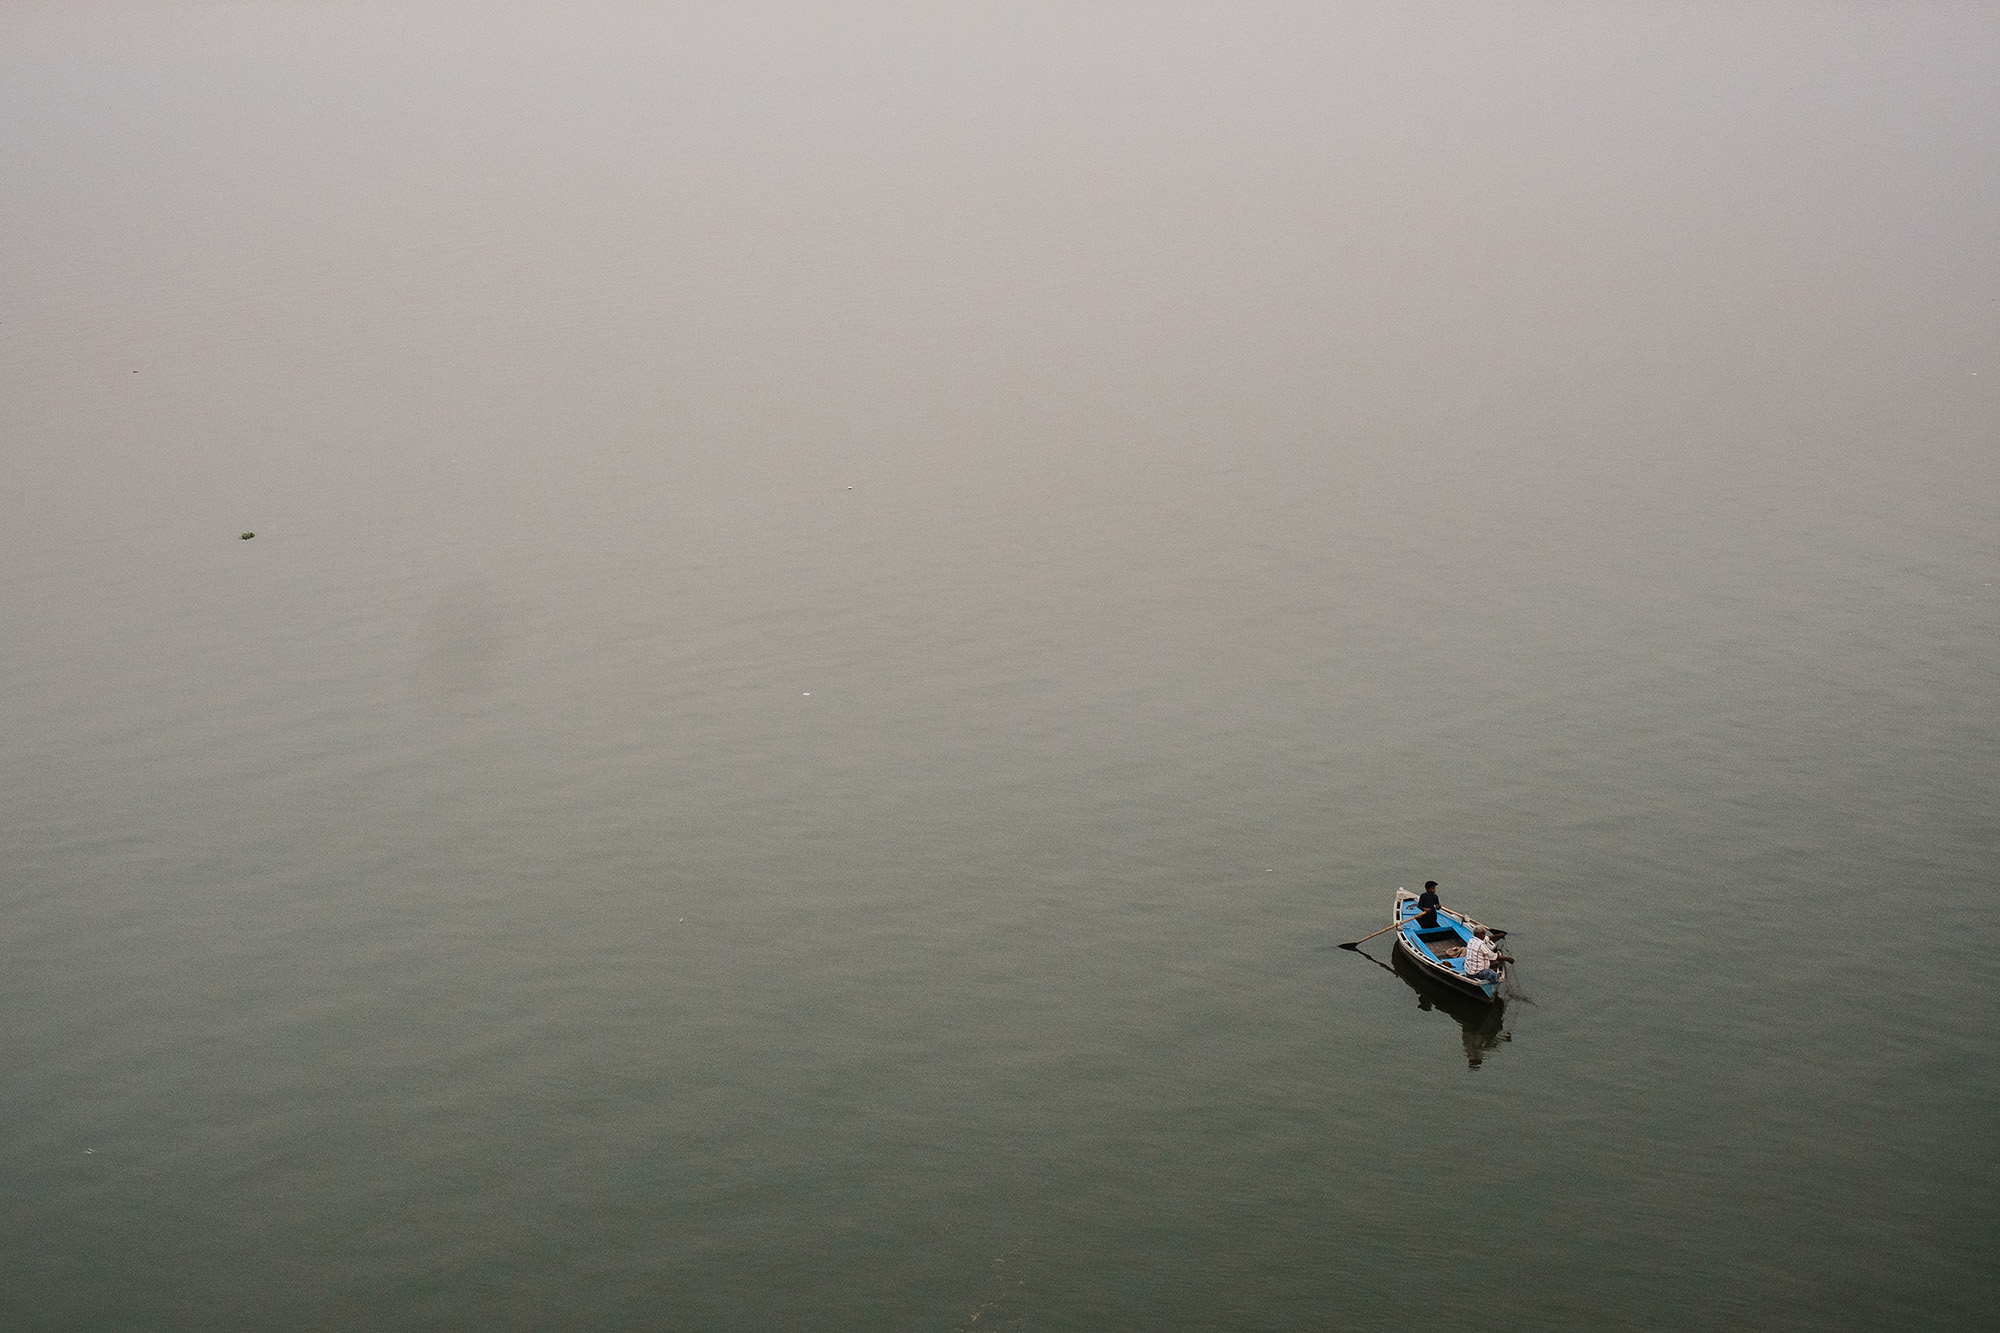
[847, 602]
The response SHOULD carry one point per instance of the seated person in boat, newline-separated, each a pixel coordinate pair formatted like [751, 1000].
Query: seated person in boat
[1427, 903]
[1481, 954]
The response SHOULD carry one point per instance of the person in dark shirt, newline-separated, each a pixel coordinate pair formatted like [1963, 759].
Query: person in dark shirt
[1427, 904]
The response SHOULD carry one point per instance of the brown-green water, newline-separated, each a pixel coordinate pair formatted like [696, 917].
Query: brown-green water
[847, 602]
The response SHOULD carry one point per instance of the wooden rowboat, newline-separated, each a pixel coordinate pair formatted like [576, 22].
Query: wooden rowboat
[1439, 951]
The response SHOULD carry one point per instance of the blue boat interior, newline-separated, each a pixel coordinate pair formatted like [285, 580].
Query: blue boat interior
[1438, 941]
[1445, 944]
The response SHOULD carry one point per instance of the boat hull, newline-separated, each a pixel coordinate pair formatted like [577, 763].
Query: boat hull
[1430, 950]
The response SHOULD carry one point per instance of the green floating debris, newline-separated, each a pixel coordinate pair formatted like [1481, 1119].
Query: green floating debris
[248, 535]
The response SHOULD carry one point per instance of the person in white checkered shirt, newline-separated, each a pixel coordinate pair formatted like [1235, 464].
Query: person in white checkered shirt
[1481, 954]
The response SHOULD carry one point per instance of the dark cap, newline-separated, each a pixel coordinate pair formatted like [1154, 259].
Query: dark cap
[1430, 883]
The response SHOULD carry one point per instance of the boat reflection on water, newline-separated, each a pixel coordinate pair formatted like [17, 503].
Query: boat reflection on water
[1482, 1025]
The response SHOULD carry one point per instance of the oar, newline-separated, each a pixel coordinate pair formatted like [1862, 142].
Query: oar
[1490, 930]
[1494, 931]
[1356, 944]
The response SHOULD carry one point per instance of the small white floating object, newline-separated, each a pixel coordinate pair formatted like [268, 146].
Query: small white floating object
[808, 694]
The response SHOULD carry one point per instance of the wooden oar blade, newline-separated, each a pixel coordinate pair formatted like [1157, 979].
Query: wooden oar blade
[1385, 930]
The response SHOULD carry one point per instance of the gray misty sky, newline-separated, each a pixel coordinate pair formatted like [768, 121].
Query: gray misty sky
[949, 242]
